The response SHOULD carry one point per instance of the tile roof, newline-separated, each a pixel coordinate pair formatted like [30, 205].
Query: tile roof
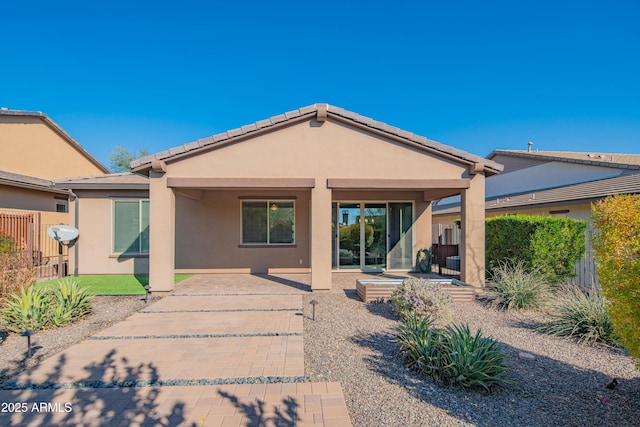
[593, 190]
[125, 180]
[617, 160]
[57, 128]
[307, 112]
[26, 181]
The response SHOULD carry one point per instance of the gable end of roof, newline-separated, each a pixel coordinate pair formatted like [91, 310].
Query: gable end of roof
[336, 113]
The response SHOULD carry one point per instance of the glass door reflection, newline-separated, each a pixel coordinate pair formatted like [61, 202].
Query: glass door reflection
[349, 235]
[375, 236]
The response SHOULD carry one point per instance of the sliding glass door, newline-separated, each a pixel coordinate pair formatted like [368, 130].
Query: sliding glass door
[400, 236]
[349, 236]
[372, 236]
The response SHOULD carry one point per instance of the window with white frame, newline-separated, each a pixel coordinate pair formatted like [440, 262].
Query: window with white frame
[131, 226]
[268, 222]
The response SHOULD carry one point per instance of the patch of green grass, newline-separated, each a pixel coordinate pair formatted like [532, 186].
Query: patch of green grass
[114, 285]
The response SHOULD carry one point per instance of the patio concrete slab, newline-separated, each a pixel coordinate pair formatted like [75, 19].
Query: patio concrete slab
[247, 284]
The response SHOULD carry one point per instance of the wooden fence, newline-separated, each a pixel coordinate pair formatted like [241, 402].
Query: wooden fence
[24, 231]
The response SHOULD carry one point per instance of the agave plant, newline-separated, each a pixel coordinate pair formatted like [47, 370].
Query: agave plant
[453, 355]
[472, 360]
[27, 309]
[70, 302]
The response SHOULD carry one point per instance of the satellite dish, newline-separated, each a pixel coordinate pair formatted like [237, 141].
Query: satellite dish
[63, 233]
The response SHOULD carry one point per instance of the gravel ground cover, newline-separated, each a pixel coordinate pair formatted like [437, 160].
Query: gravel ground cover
[106, 310]
[564, 385]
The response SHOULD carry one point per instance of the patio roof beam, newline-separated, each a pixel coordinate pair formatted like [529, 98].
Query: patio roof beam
[397, 184]
[240, 183]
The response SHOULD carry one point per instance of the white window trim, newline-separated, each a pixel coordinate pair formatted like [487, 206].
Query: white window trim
[268, 203]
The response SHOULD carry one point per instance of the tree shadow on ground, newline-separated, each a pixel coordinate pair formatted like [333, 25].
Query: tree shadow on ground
[542, 391]
[285, 413]
[103, 396]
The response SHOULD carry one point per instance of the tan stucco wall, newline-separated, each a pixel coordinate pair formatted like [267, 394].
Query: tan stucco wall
[208, 233]
[320, 151]
[92, 254]
[308, 149]
[31, 147]
[29, 199]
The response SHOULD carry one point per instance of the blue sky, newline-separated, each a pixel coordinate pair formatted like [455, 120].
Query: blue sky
[476, 75]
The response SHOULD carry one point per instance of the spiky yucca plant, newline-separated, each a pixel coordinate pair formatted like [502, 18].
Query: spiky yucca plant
[580, 314]
[511, 286]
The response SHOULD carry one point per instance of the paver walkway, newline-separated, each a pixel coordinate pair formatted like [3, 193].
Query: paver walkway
[218, 352]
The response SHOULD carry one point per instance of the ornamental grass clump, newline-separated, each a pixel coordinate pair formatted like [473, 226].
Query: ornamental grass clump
[422, 298]
[511, 287]
[452, 355]
[43, 308]
[582, 315]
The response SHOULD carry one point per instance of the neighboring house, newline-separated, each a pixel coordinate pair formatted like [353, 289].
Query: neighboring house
[112, 214]
[317, 190]
[551, 183]
[35, 151]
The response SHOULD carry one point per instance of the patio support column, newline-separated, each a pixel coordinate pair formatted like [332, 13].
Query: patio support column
[161, 233]
[473, 232]
[321, 237]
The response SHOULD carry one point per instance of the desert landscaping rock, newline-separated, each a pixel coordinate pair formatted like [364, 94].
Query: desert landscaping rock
[353, 343]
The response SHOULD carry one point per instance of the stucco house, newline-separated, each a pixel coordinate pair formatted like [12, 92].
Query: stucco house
[315, 190]
[35, 152]
[554, 183]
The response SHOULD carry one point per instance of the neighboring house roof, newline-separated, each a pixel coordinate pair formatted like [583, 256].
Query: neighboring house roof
[612, 160]
[586, 191]
[328, 111]
[30, 182]
[125, 180]
[49, 122]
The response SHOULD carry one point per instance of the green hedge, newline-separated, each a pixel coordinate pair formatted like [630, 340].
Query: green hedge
[551, 245]
[616, 245]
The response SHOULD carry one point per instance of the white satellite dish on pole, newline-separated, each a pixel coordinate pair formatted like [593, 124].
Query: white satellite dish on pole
[63, 234]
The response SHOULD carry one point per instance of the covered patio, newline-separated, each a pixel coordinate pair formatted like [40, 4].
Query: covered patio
[300, 194]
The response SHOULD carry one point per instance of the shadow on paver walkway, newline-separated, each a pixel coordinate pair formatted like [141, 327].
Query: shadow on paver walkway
[234, 359]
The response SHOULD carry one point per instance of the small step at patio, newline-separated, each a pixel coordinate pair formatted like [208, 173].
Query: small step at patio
[375, 290]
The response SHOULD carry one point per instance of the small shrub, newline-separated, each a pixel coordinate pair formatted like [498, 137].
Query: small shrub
[70, 302]
[511, 286]
[27, 309]
[422, 298]
[580, 314]
[16, 272]
[452, 355]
